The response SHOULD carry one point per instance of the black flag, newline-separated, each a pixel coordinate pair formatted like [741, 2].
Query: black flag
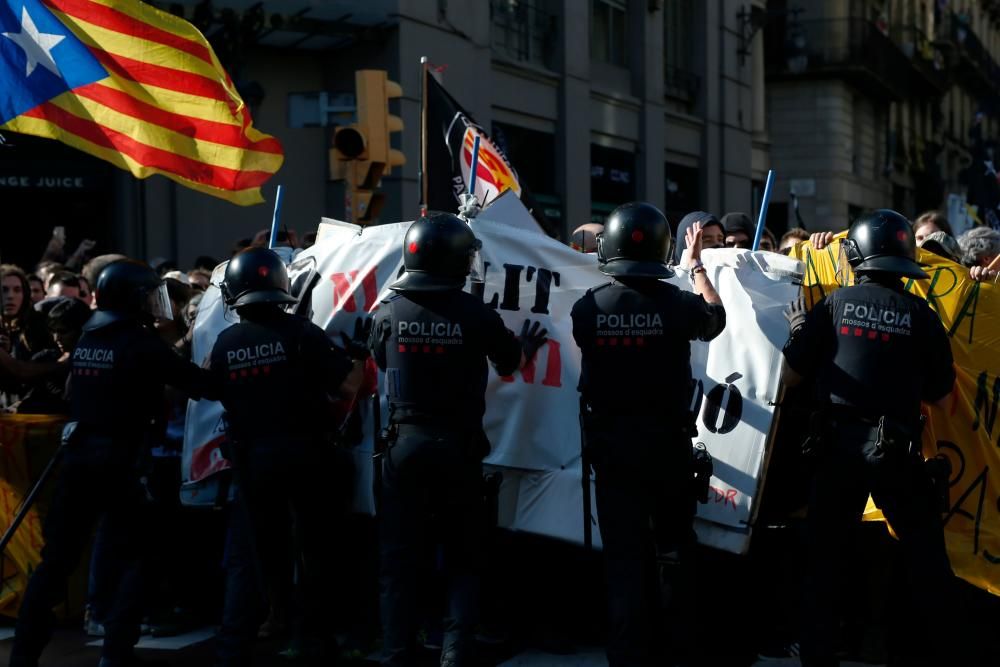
[451, 133]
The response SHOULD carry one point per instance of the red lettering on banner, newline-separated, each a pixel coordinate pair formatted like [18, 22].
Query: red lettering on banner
[345, 287]
[553, 366]
[726, 497]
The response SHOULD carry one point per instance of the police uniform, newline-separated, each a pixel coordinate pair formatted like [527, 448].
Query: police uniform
[119, 368]
[875, 352]
[433, 341]
[277, 372]
[635, 382]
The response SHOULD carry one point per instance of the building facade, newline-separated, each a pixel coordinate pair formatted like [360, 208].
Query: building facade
[685, 103]
[597, 102]
[878, 103]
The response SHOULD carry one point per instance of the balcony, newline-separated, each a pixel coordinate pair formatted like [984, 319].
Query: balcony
[852, 49]
[974, 66]
[524, 33]
[929, 71]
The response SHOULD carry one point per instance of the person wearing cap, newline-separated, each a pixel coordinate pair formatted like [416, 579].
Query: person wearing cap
[941, 244]
[277, 374]
[859, 344]
[740, 230]
[633, 332]
[433, 341]
[713, 235]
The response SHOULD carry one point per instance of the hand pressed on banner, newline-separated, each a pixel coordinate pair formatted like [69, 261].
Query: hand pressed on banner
[532, 339]
[356, 346]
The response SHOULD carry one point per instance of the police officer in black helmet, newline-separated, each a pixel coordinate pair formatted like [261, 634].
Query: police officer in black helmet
[859, 343]
[433, 341]
[119, 368]
[278, 373]
[634, 333]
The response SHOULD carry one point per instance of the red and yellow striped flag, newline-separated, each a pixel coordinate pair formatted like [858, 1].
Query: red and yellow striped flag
[132, 85]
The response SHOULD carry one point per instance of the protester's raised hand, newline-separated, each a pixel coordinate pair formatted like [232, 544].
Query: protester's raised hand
[981, 273]
[692, 239]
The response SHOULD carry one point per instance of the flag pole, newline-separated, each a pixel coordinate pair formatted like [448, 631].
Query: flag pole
[275, 220]
[422, 176]
[762, 216]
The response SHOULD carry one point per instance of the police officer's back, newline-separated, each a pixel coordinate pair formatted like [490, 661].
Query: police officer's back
[119, 368]
[278, 374]
[634, 334]
[876, 352]
[433, 341]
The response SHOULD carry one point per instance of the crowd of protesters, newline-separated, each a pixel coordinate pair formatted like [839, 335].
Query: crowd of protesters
[45, 307]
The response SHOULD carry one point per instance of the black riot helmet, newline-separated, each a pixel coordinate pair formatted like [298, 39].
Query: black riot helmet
[438, 253]
[129, 289]
[255, 275]
[635, 243]
[883, 241]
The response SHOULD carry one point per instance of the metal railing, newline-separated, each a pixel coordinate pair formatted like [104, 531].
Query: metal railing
[974, 57]
[523, 32]
[852, 48]
[927, 58]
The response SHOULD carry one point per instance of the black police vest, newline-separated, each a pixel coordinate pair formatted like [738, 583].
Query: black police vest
[436, 346]
[116, 379]
[879, 338]
[636, 350]
[273, 375]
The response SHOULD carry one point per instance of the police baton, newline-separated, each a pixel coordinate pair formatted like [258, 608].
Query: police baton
[588, 536]
[379, 445]
[32, 495]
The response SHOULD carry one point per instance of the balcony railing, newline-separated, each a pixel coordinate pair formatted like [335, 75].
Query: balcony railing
[927, 59]
[851, 48]
[523, 32]
[974, 64]
[681, 83]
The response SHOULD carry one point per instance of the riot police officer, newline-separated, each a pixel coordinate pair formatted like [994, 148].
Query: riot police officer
[433, 341]
[635, 384]
[118, 370]
[860, 344]
[278, 373]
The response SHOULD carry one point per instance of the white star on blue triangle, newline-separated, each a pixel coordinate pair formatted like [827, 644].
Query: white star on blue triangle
[39, 58]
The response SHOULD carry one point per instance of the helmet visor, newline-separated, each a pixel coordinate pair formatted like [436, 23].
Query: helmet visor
[158, 304]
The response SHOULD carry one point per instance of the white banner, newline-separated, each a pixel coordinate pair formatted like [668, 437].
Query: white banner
[532, 418]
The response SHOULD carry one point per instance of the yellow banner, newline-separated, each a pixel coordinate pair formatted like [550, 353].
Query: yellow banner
[966, 432]
[27, 443]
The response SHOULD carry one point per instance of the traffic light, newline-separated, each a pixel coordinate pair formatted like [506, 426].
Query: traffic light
[362, 153]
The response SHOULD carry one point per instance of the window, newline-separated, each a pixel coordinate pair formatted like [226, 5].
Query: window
[523, 32]
[533, 154]
[607, 31]
[678, 49]
[612, 180]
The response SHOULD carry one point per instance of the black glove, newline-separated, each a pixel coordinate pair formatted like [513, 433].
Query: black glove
[532, 338]
[357, 346]
[796, 314]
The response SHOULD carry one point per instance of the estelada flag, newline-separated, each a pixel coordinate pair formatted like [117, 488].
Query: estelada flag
[451, 134]
[132, 85]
